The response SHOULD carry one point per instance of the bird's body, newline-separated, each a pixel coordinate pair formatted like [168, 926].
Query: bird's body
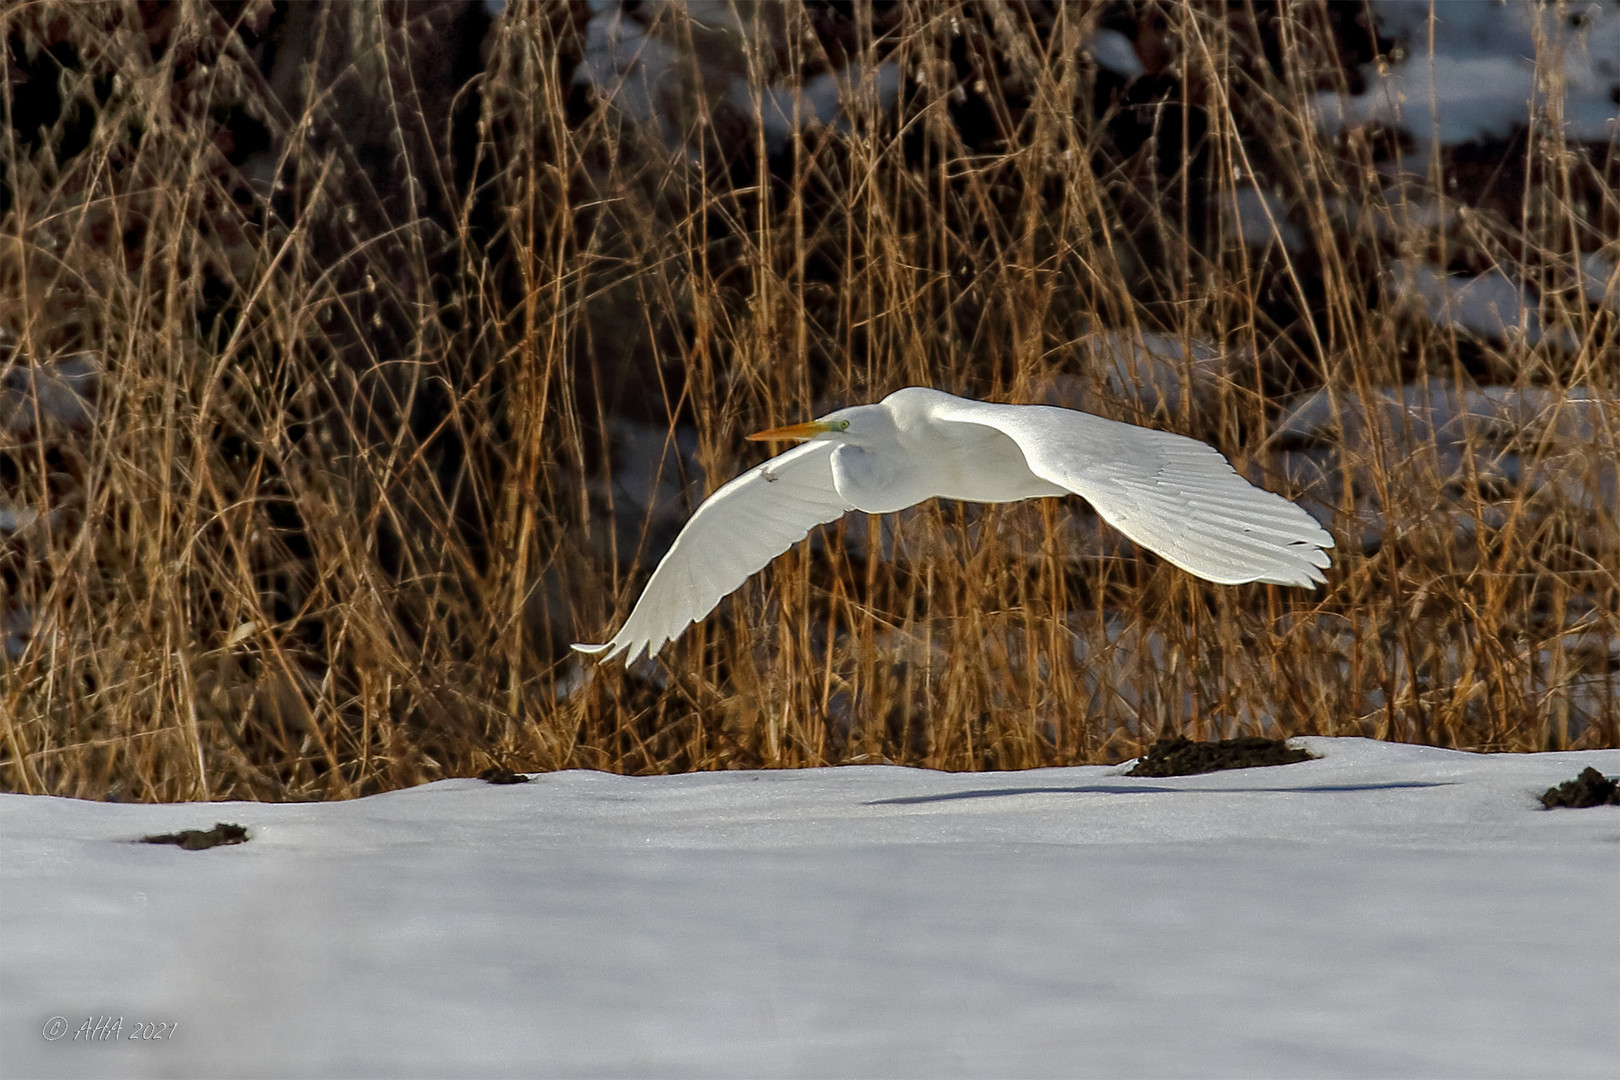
[1171, 494]
[881, 468]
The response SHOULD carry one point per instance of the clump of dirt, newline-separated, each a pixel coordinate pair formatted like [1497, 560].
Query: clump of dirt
[500, 774]
[221, 835]
[1181, 756]
[1591, 788]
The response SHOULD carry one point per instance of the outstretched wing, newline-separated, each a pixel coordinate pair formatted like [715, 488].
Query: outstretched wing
[734, 533]
[1173, 495]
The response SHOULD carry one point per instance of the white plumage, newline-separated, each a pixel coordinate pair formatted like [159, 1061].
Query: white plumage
[1173, 495]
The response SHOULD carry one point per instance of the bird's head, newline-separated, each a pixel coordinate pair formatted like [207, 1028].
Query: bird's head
[845, 424]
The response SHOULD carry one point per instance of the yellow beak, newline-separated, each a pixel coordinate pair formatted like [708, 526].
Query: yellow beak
[808, 430]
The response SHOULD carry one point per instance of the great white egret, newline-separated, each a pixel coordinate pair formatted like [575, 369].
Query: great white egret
[1173, 495]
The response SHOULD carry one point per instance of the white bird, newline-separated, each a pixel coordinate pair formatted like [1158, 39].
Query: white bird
[1173, 495]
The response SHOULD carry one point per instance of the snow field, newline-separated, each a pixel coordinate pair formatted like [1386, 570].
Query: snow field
[1386, 910]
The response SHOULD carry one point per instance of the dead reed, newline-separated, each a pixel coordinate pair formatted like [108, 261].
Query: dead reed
[359, 358]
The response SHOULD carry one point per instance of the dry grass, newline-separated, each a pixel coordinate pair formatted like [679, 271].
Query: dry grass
[358, 331]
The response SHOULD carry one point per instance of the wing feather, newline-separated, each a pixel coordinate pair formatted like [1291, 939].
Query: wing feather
[1173, 495]
[732, 534]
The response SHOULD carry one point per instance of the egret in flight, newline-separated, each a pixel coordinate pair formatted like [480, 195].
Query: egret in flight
[1173, 495]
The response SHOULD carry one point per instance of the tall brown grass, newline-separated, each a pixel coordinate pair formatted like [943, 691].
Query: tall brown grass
[358, 312]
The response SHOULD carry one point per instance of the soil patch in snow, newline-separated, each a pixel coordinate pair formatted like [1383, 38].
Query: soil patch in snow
[221, 835]
[500, 774]
[1591, 788]
[1181, 756]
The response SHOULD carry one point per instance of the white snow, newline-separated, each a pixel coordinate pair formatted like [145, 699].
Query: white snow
[633, 65]
[1114, 52]
[1260, 218]
[1492, 304]
[1446, 440]
[1481, 80]
[819, 100]
[627, 66]
[1387, 910]
[1598, 275]
[1145, 371]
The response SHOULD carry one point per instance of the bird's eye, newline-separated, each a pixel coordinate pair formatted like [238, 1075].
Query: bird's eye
[841, 425]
